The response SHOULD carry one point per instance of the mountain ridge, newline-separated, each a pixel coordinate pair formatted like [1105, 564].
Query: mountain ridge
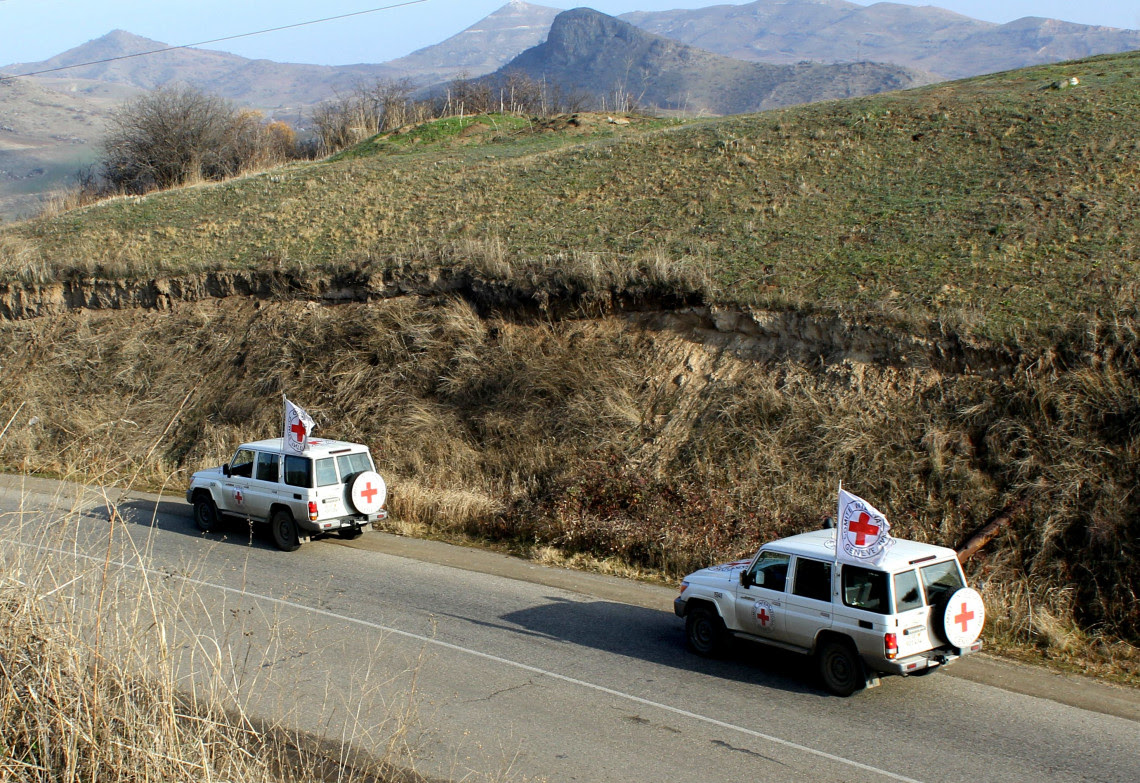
[593, 53]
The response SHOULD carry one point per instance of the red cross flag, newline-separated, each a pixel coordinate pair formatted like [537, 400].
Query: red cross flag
[298, 425]
[864, 533]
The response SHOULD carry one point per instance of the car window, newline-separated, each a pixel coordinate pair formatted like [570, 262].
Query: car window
[907, 594]
[864, 588]
[267, 465]
[351, 464]
[298, 471]
[770, 570]
[326, 472]
[941, 580]
[242, 463]
[813, 579]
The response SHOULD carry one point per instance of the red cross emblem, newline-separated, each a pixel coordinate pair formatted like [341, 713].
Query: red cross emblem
[299, 430]
[863, 528]
[238, 496]
[964, 618]
[763, 617]
[368, 493]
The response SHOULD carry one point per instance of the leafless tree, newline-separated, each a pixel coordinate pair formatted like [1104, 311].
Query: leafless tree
[176, 135]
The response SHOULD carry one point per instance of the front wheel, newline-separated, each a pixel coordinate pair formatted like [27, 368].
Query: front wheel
[284, 529]
[705, 631]
[841, 668]
[206, 513]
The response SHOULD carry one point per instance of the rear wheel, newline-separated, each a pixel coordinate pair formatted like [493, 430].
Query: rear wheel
[206, 513]
[705, 631]
[284, 530]
[841, 668]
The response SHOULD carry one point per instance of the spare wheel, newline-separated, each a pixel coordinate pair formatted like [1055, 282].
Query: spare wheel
[963, 617]
[368, 492]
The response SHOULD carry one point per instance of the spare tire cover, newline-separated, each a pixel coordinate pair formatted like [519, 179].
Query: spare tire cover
[368, 492]
[963, 617]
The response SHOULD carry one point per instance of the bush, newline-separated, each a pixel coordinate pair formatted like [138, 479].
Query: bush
[177, 135]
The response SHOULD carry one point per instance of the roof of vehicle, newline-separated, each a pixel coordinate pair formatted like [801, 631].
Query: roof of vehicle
[821, 543]
[318, 447]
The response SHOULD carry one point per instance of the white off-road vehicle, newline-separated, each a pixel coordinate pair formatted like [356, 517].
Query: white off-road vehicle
[332, 486]
[909, 613]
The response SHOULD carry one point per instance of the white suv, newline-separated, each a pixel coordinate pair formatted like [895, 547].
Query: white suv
[908, 614]
[332, 486]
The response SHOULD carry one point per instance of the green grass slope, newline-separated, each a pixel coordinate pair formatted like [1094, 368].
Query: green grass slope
[997, 205]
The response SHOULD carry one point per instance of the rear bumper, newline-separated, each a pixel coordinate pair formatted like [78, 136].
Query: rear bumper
[362, 521]
[923, 661]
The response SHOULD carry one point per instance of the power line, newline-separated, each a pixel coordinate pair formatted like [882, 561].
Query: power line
[214, 40]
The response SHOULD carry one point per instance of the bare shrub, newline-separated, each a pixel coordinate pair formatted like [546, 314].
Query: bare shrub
[178, 135]
[365, 111]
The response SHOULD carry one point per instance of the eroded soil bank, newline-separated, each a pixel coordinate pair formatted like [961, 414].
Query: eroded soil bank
[657, 429]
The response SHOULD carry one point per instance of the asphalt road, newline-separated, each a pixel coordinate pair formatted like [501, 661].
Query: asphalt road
[501, 668]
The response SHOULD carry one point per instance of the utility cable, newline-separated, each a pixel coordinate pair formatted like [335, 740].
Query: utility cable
[214, 40]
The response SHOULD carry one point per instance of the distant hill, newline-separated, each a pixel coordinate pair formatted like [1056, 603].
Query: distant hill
[930, 39]
[482, 48]
[279, 88]
[590, 52]
[47, 136]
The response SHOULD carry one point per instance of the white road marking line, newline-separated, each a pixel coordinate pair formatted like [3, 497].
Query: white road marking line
[489, 657]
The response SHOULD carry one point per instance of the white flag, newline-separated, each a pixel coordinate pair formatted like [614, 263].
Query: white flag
[864, 533]
[298, 425]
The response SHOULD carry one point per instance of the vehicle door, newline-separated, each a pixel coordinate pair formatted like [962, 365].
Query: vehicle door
[912, 614]
[940, 581]
[760, 596]
[329, 491]
[265, 485]
[866, 603]
[240, 474]
[808, 603]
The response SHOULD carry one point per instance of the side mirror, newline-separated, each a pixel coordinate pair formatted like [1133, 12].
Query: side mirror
[829, 523]
[746, 578]
[226, 470]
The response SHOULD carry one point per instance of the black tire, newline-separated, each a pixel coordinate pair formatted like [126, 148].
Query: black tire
[937, 624]
[705, 631]
[350, 533]
[841, 668]
[206, 513]
[284, 530]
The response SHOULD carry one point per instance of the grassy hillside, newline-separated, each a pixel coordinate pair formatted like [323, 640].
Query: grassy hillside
[996, 205]
[657, 343]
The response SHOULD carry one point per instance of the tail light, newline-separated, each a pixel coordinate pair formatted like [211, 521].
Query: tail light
[891, 645]
[312, 511]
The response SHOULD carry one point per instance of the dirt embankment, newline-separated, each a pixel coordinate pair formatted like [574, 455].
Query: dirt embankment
[757, 334]
[612, 421]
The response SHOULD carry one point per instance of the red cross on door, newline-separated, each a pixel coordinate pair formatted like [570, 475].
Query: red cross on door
[763, 617]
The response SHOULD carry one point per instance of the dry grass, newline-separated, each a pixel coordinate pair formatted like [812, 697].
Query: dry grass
[112, 673]
[613, 444]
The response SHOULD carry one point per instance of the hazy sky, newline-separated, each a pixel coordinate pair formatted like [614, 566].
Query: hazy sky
[32, 30]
